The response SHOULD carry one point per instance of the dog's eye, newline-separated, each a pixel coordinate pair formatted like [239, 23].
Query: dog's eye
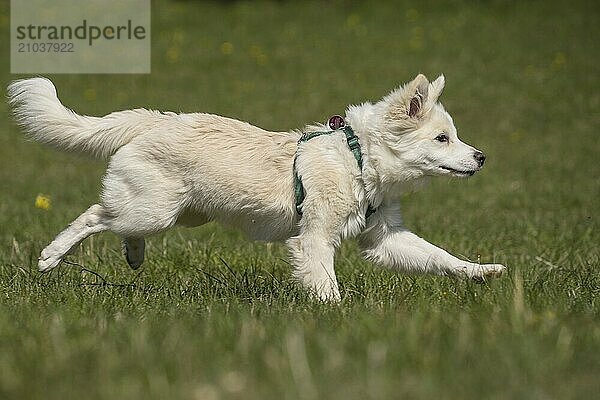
[442, 137]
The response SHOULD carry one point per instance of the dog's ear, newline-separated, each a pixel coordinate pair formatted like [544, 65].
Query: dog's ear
[435, 90]
[405, 106]
[417, 90]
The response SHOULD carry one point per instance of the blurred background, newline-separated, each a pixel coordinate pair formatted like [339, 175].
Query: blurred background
[522, 84]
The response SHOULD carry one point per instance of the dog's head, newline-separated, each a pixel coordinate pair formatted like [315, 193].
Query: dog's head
[420, 135]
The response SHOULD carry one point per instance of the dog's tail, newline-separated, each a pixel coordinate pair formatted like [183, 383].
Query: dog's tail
[41, 115]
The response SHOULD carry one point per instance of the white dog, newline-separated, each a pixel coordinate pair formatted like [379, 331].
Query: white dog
[167, 169]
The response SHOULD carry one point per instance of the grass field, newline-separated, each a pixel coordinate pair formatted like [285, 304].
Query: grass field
[214, 316]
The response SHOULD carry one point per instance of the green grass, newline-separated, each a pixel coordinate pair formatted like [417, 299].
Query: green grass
[214, 316]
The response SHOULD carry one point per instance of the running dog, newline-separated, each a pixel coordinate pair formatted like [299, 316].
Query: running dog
[169, 169]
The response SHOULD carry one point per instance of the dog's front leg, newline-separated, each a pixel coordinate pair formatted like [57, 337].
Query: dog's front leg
[389, 244]
[312, 255]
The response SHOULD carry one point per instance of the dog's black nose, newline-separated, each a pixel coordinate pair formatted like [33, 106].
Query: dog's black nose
[480, 157]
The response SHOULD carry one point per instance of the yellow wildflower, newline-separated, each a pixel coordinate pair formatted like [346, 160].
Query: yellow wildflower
[257, 53]
[173, 54]
[42, 201]
[227, 48]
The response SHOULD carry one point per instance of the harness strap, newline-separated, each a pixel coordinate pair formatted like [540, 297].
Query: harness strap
[353, 145]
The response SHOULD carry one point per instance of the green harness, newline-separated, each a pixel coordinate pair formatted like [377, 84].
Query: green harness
[354, 146]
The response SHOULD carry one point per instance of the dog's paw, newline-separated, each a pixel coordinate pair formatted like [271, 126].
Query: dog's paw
[483, 272]
[48, 261]
[133, 249]
[326, 292]
[480, 272]
[330, 297]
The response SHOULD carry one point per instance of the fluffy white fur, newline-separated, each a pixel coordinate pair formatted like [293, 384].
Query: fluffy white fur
[188, 169]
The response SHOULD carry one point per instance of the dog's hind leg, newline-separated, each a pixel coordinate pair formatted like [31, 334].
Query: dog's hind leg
[133, 249]
[92, 221]
[143, 198]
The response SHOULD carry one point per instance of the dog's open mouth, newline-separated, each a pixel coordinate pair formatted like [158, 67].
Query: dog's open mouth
[458, 172]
